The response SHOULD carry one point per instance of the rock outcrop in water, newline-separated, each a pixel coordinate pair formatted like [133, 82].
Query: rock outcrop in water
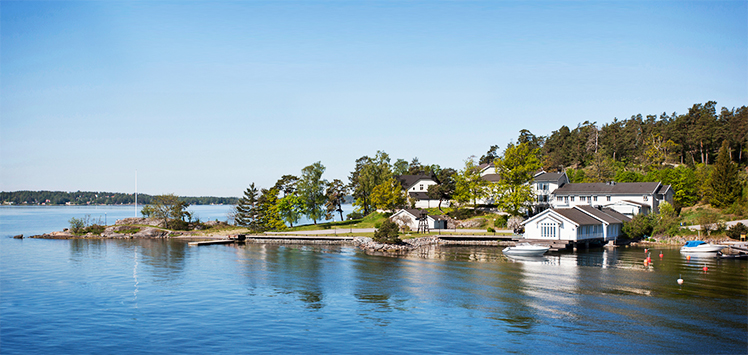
[369, 244]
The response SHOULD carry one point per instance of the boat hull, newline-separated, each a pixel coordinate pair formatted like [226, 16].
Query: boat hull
[526, 250]
[704, 248]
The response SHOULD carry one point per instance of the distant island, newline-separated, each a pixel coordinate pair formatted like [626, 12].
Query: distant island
[83, 198]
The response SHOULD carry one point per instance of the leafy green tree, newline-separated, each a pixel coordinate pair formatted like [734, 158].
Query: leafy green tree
[445, 186]
[685, 186]
[469, 185]
[724, 186]
[400, 167]
[268, 215]
[286, 184]
[369, 173]
[640, 226]
[388, 195]
[171, 209]
[334, 198]
[290, 208]
[311, 190]
[601, 169]
[516, 167]
[246, 213]
[387, 233]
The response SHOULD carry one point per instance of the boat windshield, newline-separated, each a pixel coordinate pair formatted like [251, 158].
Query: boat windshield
[694, 243]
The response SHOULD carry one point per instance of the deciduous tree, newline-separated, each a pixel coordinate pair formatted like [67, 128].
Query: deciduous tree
[311, 190]
[516, 167]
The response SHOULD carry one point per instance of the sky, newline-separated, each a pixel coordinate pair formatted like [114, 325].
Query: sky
[203, 98]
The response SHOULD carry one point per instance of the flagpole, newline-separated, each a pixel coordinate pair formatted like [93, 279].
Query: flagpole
[136, 193]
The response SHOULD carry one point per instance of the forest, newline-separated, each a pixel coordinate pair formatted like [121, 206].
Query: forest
[96, 198]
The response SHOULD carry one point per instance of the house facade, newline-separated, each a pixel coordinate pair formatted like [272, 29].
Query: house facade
[416, 188]
[543, 185]
[410, 217]
[628, 198]
[579, 223]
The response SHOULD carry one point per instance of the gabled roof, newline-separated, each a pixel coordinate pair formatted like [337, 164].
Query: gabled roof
[621, 188]
[616, 214]
[409, 180]
[416, 213]
[663, 189]
[629, 202]
[491, 177]
[601, 214]
[548, 176]
[577, 216]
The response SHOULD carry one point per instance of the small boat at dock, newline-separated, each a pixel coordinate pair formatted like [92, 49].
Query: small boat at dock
[526, 249]
[699, 246]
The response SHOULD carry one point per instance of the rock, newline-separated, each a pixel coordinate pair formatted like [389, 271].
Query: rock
[20, 236]
[150, 232]
[142, 221]
[473, 223]
[61, 234]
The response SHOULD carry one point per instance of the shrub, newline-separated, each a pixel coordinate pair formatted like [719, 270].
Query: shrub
[500, 221]
[461, 213]
[355, 215]
[387, 233]
[640, 226]
[490, 230]
[736, 230]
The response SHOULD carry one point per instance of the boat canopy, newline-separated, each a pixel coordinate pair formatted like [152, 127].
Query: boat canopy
[694, 243]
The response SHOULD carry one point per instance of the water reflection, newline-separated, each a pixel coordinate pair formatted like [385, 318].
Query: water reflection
[81, 249]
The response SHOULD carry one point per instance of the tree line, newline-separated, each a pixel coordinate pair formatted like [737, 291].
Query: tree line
[97, 198]
[701, 154]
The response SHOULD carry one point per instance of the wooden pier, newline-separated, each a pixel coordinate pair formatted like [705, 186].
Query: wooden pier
[209, 242]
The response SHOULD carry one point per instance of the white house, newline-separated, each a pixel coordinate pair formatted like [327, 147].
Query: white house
[410, 218]
[543, 185]
[629, 198]
[416, 188]
[578, 223]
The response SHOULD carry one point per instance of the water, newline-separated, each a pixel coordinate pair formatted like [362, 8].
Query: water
[163, 296]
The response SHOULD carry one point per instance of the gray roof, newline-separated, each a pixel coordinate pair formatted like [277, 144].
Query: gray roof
[577, 216]
[620, 188]
[616, 214]
[548, 177]
[419, 195]
[491, 177]
[408, 180]
[417, 213]
[602, 214]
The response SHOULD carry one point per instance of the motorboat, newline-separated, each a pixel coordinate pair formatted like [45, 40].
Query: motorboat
[526, 249]
[699, 246]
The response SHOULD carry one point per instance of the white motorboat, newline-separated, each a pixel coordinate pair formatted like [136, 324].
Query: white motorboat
[698, 246]
[526, 249]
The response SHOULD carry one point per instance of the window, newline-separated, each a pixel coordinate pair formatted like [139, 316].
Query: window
[608, 198]
[547, 230]
[566, 199]
[421, 187]
[572, 198]
[559, 198]
[581, 198]
[594, 198]
[644, 197]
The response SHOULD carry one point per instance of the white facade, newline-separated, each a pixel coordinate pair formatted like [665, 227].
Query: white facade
[629, 199]
[574, 224]
[410, 217]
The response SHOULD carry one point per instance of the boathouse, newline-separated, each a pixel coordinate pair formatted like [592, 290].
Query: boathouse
[577, 224]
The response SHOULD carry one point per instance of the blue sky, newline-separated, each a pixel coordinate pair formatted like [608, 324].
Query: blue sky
[204, 98]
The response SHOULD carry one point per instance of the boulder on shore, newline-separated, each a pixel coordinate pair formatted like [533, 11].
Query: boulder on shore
[142, 221]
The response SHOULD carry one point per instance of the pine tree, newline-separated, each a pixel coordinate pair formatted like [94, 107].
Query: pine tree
[246, 212]
[724, 187]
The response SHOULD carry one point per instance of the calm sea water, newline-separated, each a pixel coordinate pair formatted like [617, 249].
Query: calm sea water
[161, 296]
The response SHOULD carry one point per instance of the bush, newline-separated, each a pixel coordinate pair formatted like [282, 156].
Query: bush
[736, 230]
[355, 215]
[500, 221]
[640, 226]
[387, 233]
[461, 213]
[490, 230]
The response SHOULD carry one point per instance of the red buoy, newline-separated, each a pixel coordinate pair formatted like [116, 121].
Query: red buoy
[661, 255]
[688, 257]
[705, 268]
[645, 250]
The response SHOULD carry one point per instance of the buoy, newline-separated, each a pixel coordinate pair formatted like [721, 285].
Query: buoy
[680, 280]
[688, 257]
[645, 250]
[661, 254]
[646, 262]
[705, 268]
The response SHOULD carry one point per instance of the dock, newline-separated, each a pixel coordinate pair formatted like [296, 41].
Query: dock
[209, 242]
